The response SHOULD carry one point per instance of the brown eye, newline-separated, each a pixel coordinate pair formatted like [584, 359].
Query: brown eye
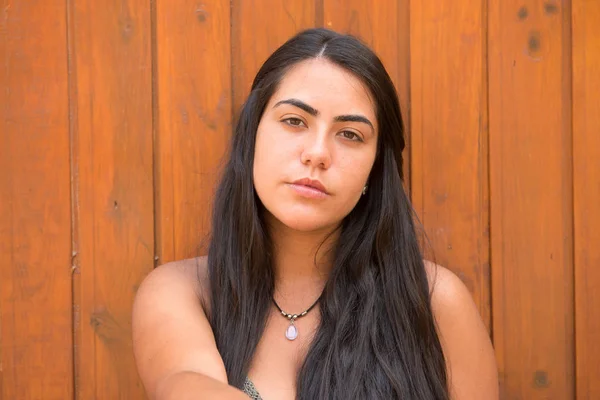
[351, 136]
[293, 121]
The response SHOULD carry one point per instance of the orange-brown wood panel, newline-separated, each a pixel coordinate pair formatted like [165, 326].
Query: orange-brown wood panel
[35, 206]
[586, 163]
[193, 80]
[531, 197]
[111, 108]
[258, 28]
[384, 26]
[450, 186]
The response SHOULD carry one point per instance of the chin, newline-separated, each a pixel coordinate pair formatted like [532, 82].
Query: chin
[303, 222]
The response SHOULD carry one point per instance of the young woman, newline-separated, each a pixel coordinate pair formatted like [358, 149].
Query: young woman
[314, 286]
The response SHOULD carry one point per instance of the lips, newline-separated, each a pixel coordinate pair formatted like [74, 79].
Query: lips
[314, 184]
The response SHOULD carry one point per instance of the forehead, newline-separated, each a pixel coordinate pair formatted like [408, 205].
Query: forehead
[326, 87]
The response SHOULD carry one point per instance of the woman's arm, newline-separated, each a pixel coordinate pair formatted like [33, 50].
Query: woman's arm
[173, 342]
[189, 385]
[470, 360]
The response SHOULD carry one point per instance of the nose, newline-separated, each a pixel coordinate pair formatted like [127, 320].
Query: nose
[316, 152]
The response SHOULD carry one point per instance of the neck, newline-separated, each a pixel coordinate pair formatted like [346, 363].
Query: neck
[302, 262]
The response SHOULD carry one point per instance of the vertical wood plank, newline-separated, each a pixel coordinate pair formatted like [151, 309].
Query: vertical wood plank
[586, 162]
[3, 183]
[531, 197]
[35, 237]
[450, 186]
[253, 39]
[385, 27]
[112, 110]
[194, 119]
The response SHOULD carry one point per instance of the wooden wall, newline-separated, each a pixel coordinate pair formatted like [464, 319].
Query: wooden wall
[114, 119]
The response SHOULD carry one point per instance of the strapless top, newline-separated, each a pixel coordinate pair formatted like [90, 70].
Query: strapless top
[250, 390]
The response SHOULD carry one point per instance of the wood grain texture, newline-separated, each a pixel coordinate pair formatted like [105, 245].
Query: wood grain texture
[531, 198]
[259, 28]
[35, 241]
[450, 186]
[586, 184]
[112, 110]
[384, 26]
[194, 111]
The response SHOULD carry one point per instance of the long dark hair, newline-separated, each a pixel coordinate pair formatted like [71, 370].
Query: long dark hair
[377, 337]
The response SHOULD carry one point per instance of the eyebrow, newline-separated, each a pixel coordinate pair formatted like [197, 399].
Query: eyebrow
[314, 112]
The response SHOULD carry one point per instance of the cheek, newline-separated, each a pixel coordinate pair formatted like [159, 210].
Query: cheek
[261, 165]
[355, 171]
[271, 155]
[354, 175]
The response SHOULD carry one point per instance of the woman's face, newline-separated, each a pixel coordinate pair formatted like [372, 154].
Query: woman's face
[315, 146]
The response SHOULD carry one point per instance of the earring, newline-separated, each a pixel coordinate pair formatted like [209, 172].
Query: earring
[364, 190]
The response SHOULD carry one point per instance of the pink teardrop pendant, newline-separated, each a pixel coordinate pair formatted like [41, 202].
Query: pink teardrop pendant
[291, 333]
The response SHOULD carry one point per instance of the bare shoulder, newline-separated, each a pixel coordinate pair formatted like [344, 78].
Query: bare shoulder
[187, 275]
[171, 332]
[191, 271]
[445, 286]
[469, 354]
